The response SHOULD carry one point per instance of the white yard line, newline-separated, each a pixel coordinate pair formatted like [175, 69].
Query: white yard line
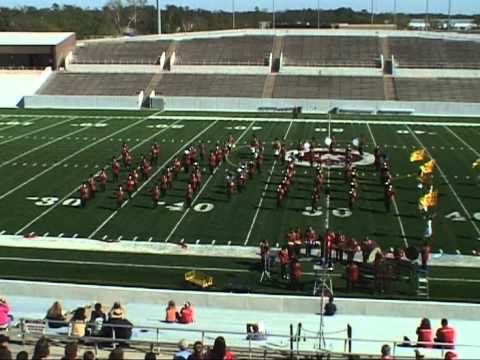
[264, 192]
[112, 215]
[36, 131]
[43, 145]
[327, 204]
[463, 141]
[462, 205]
[395, 205]
[185, 213]
[58, 163]
[76, 188]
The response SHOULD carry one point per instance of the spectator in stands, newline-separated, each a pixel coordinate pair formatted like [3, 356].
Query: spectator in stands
[450, 355]
[296, 273]
[171, 313]
[445, 334]
[41, 350]
[184, 353]
[71, 351]
[88, 355]
[117, 326]
[425, 334]
[22, 355]
[198, 351]
[97, 318]
[5, 317]
[330, 307]
[219, 351]
[284, 260]
[117, 307]
[187, 314]
[5, 354]
[150, 356]
[4, 340]
[256, 331]
[352, 275]
[57, 316]
[386, 352]
[78, 322]
[116, 354]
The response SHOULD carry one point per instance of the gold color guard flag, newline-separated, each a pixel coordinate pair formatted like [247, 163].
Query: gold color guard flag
[429, 200]
[476, 164]
[418, 155]
[428, 167]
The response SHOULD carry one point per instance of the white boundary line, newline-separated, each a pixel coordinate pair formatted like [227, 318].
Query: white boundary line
[44, 145]
[447, 182]
[463, 141]
[395, 205]
[76, 188]
[264, 192]
[327, 204]
[185, 213]
[112, 215]
[37, 131]
[58, 163]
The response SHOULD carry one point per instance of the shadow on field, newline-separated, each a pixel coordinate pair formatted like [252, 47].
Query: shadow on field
[105, 207]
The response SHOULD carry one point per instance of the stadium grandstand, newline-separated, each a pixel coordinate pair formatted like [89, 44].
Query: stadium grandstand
[218, 237]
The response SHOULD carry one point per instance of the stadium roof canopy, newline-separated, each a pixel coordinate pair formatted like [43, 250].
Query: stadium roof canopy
[33, 38]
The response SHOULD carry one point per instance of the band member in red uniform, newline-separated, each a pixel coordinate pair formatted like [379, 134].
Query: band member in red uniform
[136, 177]
[297, 242]
[120, 196]
[194, 181]
[84, 194]
[189, 196]
[352, 248]
[145, 169]
[389, 197]
[341, 244]
[92, 184]
[115, 170]
[311, 239]
[103, 178]
[259, 162]
[329, 242]
[154, 153]
[280, 195]
[376, 153]
[177, 167]
[284, 259]
[170, 176]
[130, 185]
[127, 160]
[283, 154]
[296, 273]
[212, 162]
[156, 195]
[187, 161]
[315, 200]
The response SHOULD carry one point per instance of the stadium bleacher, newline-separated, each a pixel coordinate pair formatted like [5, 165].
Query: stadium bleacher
[443, 89]
[329, 87]
[357, 51]
[412, 52]
[129, 52]
[69, 83]
[211, 85]
[240, 50]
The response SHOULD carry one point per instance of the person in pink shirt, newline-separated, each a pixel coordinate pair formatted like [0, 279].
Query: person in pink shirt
[5, 316]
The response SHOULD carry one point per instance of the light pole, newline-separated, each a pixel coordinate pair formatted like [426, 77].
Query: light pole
[449, 13]
[318, 14]
[426, 14]
[273, 14]
[371, 5]
[159, 18]
[233, 14]
[395, 12]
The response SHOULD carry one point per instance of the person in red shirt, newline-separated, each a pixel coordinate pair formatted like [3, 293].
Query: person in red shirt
[296, 273]
[445, 334]
[189, 196]
[130, 186]
[386, 352]
[92, 185]
[120, 196]
[154, 153]
[284, 260]
[425, 334]
[329, 241]
[156, 195]
[187, 314]
[145, 169]
[352, 275]
[84, 194]
[115, 170]
[103, 178]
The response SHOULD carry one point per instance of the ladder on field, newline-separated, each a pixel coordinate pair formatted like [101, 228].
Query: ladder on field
[423, 289]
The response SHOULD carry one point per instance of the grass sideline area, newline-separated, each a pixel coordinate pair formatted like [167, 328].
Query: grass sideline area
[46, 154]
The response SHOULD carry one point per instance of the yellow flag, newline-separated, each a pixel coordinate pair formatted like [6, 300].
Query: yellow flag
[428, 167]
[418, 155]
[476, 164]
[428, 200]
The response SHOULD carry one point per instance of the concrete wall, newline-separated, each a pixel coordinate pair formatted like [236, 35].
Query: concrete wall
[311, 106]
[253, 302]
[221, 69]
[83, 102]
[330, 71]
[114, 68]
[436, 73]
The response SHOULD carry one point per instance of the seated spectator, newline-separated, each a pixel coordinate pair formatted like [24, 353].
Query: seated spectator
[386, 352]
[425, 334]
[116, 354]
[219, 351]
[117, 326]
[23, 355]
[41, 350]
[256, 331]
[78, 322]
[117, 307]
[445, 334]
[71, 351]
[187, 314]
[171, 313]
[330, 307]
[184, 353]
[5, 354]
[97, 318]
[57, 316]
[4, 340]
[450, 355]
[5, 317]
[150, 356]
[88, 355]
[198, 351]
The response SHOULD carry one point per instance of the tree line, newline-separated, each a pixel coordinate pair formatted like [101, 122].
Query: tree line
[118, 17]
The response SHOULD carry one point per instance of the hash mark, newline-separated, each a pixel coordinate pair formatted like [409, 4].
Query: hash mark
[75, 235]
[104, 237]
[46, 234]
[135, 238]
[60, 235]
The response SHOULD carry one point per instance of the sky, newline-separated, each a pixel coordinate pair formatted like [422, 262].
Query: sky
[410, 6]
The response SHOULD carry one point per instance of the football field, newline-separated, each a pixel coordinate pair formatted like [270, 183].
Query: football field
[45, 156]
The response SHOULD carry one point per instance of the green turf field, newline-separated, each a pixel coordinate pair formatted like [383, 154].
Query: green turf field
[46, 155]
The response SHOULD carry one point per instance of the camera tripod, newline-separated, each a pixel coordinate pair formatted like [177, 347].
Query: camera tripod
[266, 268]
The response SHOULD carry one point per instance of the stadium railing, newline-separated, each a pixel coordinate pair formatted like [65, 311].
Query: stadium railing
[27, 330]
